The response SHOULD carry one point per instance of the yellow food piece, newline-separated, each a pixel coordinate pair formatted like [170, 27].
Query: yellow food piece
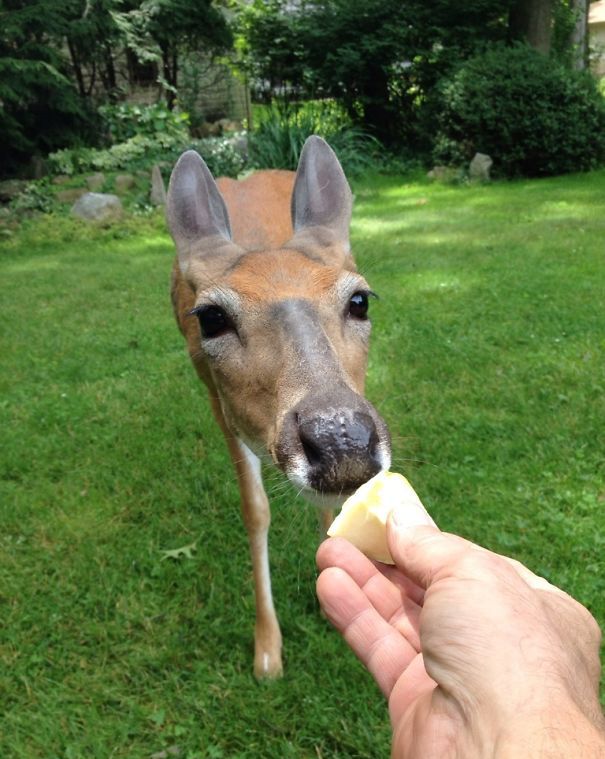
[363, 518]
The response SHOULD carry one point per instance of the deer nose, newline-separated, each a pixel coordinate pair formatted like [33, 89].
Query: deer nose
[341, 447]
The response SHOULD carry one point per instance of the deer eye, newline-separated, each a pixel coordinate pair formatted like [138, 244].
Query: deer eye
[213, 321]
[358, 305]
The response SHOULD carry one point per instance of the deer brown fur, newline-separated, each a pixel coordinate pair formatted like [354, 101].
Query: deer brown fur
[267, 295]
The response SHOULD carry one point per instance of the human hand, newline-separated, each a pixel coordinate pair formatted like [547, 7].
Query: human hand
[477, 656]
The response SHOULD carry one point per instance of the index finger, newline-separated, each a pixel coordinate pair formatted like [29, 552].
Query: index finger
[383, 650]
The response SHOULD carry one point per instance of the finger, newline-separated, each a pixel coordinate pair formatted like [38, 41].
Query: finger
[338, 552]
[389, 598]
[405, 585]
[383, 651]
[422, 552]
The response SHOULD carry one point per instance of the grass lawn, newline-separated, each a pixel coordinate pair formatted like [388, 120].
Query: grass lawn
[487, 362]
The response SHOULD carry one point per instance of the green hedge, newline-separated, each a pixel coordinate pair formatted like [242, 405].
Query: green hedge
[531, 115]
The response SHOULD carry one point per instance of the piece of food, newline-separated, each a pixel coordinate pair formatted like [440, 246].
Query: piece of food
[363, 518]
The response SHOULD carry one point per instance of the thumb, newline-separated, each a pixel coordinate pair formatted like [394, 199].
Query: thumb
[421, 551]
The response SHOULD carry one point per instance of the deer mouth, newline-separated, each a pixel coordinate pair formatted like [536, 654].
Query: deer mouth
[330, 447]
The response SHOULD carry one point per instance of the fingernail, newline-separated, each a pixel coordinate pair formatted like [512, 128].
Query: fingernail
[412, 516]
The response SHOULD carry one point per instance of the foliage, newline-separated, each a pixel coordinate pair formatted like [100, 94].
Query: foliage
[486, 361]
[281, 132]
[141, 152]
[57, 60]
[40, 108]
[160, 31]
[530, 114]
[35, 197]
[125, 120]
[564, 22]
[379, 59]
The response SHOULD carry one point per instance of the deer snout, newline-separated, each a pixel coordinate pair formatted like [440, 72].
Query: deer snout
[334, 447]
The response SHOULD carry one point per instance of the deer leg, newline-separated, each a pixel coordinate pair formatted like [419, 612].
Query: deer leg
[326, 517]
[257, 517]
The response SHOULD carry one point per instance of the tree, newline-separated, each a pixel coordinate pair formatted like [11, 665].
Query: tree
[380, 58]
[578, 38]
[161, 30]
[93, 40]
[40, 108]
[531, 21]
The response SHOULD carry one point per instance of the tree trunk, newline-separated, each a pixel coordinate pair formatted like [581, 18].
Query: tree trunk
[377, 112]
[110, 72]
[75, 62]
[579, 36]
[531, 21]
[169, 72]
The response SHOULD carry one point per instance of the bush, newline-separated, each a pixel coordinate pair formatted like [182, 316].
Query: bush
[278, 139]
[141, 152]
[126, 120]
[533, 116]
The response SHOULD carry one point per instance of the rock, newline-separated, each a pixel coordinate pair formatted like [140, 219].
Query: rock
[444, 174]
[96, 206]
[227, 125]
[158, 191]
[123, 183]
[70, 195]
[10, 188]
[479, 167]
[240, 144]
[210, 129]
[61, 179]
[95, 181]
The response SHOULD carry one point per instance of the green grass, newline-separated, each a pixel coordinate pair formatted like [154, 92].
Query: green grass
[487, 362]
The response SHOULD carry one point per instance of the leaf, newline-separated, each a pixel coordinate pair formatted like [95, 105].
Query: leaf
[177, 553]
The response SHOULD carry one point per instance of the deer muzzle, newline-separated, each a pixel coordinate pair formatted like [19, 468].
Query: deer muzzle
[333, 442]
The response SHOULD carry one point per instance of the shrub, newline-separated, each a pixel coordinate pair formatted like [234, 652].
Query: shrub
[141, 152]
[281, 132]
[533, 116]
[126, 120]
[35, 197]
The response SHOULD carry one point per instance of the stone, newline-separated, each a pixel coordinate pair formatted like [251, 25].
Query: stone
[96, 206]
[227, 125]
[479, 167]
[95, 181]
[70, 194]
[123, 183]
[10, 188]
[239, 143]
[210, 129]
[443, 174]
[158, 191]
[61, 179]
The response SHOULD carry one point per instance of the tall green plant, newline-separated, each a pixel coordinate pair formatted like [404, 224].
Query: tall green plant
[281, 132]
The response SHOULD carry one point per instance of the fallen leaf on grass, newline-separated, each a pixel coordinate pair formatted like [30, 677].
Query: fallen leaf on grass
[177, 553]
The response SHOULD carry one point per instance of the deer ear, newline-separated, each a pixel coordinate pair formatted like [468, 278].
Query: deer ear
[195, 208]
[321, 196]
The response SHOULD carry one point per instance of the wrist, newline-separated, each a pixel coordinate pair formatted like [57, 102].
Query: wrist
[554, 733]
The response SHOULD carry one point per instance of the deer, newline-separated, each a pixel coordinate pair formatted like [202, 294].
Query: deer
[275, 317]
